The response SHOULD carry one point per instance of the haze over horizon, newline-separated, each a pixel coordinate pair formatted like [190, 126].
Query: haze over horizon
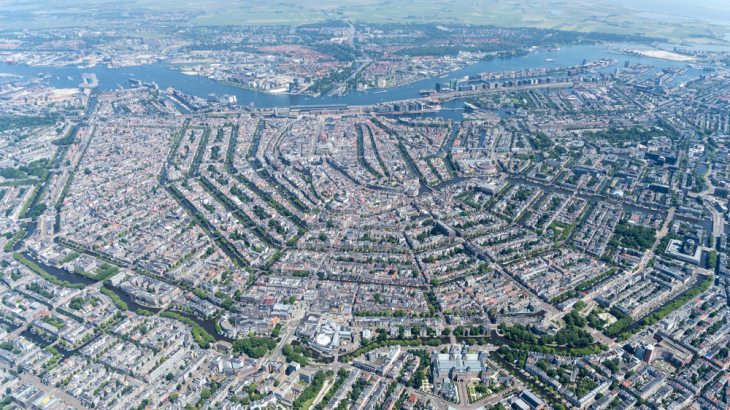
[364, 205]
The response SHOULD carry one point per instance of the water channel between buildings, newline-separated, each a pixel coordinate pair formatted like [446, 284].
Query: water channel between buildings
[71, 277]
[110, 79]
[209, 324]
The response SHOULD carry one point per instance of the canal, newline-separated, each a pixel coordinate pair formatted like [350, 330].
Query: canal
[207, 324]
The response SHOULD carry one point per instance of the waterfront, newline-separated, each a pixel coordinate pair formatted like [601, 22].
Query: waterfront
[111, 79]
[303, 231]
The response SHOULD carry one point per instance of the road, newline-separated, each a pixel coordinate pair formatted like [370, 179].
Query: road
[276, 355]
[29, 379]
[300, 309]
[337, 88]
[19, 330]
[718, 222]
[327, 384]
[351, 35]
[60, 184]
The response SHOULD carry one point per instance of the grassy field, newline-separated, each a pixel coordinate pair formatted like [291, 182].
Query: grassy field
[578, 15]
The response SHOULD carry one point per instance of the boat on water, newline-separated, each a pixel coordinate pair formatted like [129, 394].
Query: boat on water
[70, 78]
[549, 59]
[380, 92]
[131, 75]
[444, 76]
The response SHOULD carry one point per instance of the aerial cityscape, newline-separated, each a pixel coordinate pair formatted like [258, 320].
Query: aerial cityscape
[365, 205]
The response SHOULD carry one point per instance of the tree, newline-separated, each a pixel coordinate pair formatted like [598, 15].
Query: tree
[170, 376]
[205, 394]
[575, 319]
[712, 259]
[446, 331]
[255, 348]
[547, 339]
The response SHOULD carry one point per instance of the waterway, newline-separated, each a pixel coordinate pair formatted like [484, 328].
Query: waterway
[42, 343]
[111, 79]
[706, 223]
[208, 325]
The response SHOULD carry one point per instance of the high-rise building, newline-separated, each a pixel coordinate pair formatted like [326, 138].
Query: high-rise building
[648, 353]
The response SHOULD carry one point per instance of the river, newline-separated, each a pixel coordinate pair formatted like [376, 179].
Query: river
[111, 79]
